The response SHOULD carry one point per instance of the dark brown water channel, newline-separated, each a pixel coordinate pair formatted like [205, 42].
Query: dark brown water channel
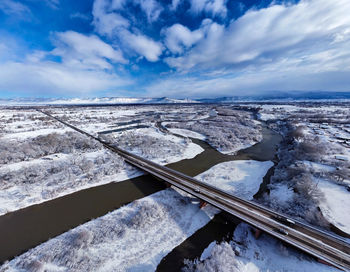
[26, 228]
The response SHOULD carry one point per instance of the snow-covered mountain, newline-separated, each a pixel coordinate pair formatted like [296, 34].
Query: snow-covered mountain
[266, 96]
[92, 101]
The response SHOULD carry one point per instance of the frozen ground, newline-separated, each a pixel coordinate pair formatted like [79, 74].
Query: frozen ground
[154, 145]
[336, 205]
[137, 236]
[26, 123]
[40, 160]
[241, 178]
[133, 238]
[34, 181]
[313, 173]
[245, 253]
[187, 133]
[227, 130]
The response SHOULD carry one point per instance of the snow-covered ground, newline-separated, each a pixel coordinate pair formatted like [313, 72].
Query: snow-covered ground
[228, 131]
[187, 133]
[137, 236]
[245, 253]
[311, 179]
[152, 144]
[41, 160]
[336, 205]
[133, 238]
[31, 182]
[241, 178]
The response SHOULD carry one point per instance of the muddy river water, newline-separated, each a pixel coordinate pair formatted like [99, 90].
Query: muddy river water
[26, 228]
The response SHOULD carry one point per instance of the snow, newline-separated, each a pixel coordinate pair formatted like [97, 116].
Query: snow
[137, 236]
[265, 254]
[241, 177]
[187, 133]
[319, 167]
[133, 238]
[281, 193]
[34, 133]
[17, 194]
[92, 101]
[336, 205]
[162, 149]
[207, 252]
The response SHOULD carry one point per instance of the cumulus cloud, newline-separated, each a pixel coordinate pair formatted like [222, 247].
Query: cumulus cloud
[265, 35]
[174, 4]
[77, 49]
[142, 45]
[151, 8]
[114, 25]
[106, 23]
[85, 67]
[178, 37]
[281, 47]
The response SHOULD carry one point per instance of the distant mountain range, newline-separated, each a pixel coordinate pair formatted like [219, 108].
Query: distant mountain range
[266, 96]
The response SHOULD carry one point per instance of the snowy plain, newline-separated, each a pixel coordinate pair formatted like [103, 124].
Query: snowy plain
[137, 236]
[241, 178]
[314, 168]
[246, 253]
[31, 176]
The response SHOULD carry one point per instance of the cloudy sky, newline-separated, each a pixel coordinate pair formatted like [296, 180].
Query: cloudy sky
[174, 48]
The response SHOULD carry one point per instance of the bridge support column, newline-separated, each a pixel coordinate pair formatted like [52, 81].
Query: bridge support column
[202, 204]
[257, 233]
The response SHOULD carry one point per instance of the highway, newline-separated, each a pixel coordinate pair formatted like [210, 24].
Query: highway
[318, 243]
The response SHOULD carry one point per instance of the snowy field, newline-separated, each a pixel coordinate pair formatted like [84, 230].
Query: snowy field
[152, 144]
[40, 159]
[133, 238]
[225, 129]
[312, 178]
[240, 178]
[245, 253]
[137, 236]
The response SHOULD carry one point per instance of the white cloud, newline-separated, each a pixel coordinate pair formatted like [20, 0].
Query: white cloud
[113, 25]
[178, 37]
[85, 67]
[107, 23]
[283, 47]
[52, 3]
[151, 8]
[211, 7]
[118, 4]
[42, 78]
[265, 35]
[77, 49]
[175, 4]
[142, 45]
[11, 7]
[81, 16]
[249, 83]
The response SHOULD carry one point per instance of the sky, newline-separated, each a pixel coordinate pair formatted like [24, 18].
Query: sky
[173, 48]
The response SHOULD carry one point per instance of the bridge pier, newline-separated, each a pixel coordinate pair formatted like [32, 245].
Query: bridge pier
[202, 204]
[257, 233]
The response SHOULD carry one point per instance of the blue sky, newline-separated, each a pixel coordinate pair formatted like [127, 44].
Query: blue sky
[174, 48]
